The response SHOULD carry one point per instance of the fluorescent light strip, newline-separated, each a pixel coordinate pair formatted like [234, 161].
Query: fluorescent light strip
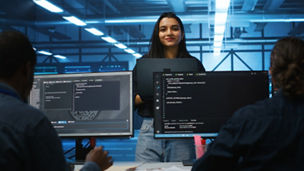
[129, 51]
[120, 45]
[109, 39]
[218, 37]
[60, 56]
[131, 21]
[222, 5]
[137, 55]
[74, 20]
[218, 44]
[48, 6]
[220, 18]
[51, 7]
[94, 31]
[216, 51]
[277, 20]
[219, 29]
[43, 52]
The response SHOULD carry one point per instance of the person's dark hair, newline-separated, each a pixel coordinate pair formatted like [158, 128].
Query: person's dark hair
[157, 49]
[287, 66]
[15, 51]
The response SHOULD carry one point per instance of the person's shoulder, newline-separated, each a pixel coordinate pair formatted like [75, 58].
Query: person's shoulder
[22, 118]
[27, 112]
[144, 56]
[189, 56]
[27, 108]
[257, 110]
[196, 59]
[202, 68]
[16, 106]
[248, 116]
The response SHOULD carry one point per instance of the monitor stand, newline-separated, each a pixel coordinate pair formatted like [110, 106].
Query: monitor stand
[82, 151]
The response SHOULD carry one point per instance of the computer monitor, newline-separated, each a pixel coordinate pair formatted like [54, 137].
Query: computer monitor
[145, 67]
[86, 104]
[188, 104]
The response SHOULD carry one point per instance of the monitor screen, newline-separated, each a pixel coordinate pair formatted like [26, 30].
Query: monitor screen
[86, 104]
[188, 104]
[145, 67]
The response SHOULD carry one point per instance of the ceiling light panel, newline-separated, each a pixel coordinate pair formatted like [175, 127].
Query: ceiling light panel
[48, 6]
[74, 20]
[94, 31]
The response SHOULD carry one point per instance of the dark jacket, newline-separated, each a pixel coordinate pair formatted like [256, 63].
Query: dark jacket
[268, 135]
[146, 109]
[28, 140]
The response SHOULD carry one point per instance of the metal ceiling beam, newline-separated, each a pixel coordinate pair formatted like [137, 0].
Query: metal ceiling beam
[245, 18]
[249, 5]
[189, 42]
[111, 6]
[273, 4]
[123, 53]
[177, 5]
[259, 27]
[299, 29]
[52, 33]
[241, 20]
[269, 5]
[89, 6]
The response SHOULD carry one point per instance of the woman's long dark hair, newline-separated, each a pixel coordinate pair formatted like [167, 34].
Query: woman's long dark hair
[157, 49]
[287, 66]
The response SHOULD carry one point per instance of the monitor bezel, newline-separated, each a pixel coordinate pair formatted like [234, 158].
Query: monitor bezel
[191, 135]
[129, 133]
[145, 67]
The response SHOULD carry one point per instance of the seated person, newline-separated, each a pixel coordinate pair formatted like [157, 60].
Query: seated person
[267, 135]
[28, 141]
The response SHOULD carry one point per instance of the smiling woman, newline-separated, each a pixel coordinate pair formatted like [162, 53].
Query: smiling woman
[170, 35]
[168, 41]
[170, 27]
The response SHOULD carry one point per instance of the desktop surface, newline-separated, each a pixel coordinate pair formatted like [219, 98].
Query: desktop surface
[141, 166]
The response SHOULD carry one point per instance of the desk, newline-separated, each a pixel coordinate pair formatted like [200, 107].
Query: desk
[137, 166]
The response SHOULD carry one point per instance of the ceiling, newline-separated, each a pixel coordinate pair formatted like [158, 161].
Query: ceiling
[131, 21]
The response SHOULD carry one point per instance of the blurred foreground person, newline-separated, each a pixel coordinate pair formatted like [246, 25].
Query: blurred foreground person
[267, 135]
[28, 141]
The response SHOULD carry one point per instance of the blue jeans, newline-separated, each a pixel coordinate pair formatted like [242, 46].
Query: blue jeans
[149, 149]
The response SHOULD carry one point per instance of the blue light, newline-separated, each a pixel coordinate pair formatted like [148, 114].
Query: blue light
[48, 6]
[74, 20]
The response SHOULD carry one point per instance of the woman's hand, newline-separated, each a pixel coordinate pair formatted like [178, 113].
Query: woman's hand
[138, 100]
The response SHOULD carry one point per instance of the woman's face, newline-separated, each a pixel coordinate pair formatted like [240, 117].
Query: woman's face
[170, 33]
